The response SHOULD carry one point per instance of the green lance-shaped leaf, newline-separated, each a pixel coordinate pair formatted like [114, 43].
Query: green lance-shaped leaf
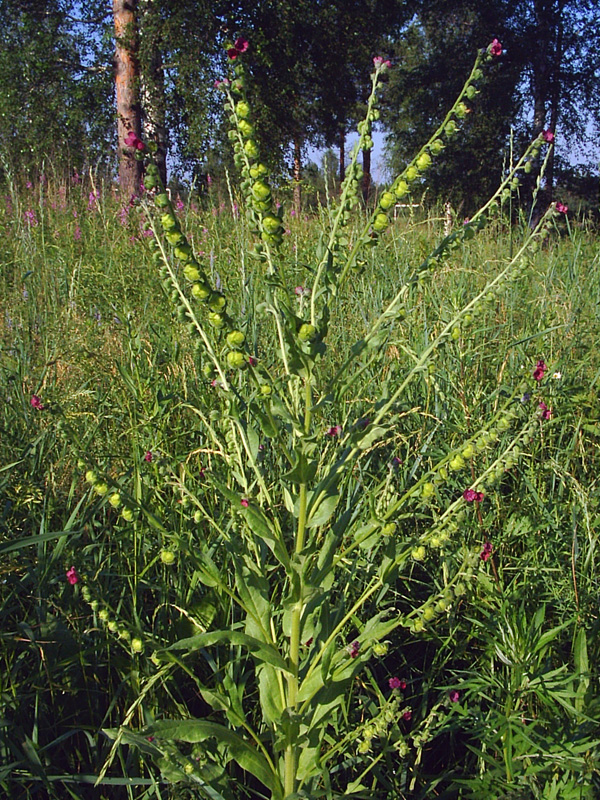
[262, 651]
[245, 754]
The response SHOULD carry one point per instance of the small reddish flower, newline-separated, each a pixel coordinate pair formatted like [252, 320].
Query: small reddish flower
[407, 715]
[495, 48]
[148, 457]
[545, 412]
[548, 136]
[131, 140]
[335, 430]
[396, 683]
[381, 63]
[217, 84]
[72, 576]
[486, 552]
[471, 496]
[245, 502]
[353, 649]
[540, 369]
[562, 208]
[454, 696]
[239, 46]
[252, 361]
[37, 403]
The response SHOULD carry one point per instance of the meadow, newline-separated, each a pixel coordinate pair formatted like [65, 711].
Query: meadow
[309, 519]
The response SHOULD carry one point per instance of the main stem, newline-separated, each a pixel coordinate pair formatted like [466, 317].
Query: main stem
[291, 760]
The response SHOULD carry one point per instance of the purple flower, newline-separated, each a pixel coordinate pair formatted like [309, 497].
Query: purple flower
[37, 403]
[562, 208]
[540, 369]
[353, 649]
[245, 502]
[495, 48]
[407, 715]
[548, 136]
[72, 576]
[30, 218]
[131, 140]
[396, 683]
[471, 496]
[335, 430]
[454, 696]
[545, 412]
[148, 456]
[240, 46]
[381, 63]
[486, 552]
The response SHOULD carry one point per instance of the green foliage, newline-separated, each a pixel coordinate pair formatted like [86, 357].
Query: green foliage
[263, 543]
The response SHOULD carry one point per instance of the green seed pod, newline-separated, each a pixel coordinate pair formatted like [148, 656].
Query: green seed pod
[424, 162]
[428, 613]
[427, 491]
[401, 190]
[103, 615]
[101, 488]
[272, 238]
[468, 452]
[271, 223]
[307, 332]
[461, 110]
[245, 128]
[242, 109]
[175, 238]
[436, 147]
[115, 500]
[216, 320]
[232, 135]
[201, 291]
[455, 335]
[183, 252]
[258, 171]
[152, 169]
[137, 645]
[217, 302]
[236, 359]
[386, 201]
[235, 339]
[260, 190]
[261, 205]
[380, 648]
[150, 182]
[451, 128]
[418, 553]
[91, 477]
[169, 221]
[380, 223]
[113, 626]
[412, 173]
[251, 149]
[457, 463]
[167, 557]
[191, 272]
[127, 514]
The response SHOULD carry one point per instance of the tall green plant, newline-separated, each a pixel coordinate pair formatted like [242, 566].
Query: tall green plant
[308, 519]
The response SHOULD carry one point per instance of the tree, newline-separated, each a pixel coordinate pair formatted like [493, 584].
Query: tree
[127, 81]
[55, 88]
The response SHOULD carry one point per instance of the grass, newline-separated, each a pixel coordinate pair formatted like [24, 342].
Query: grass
[86, 325]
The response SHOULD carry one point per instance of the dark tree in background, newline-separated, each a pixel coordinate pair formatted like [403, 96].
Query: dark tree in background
[56, 84]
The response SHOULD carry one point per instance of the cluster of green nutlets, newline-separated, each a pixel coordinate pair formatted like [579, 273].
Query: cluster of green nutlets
[263, 219]
[129, 637]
